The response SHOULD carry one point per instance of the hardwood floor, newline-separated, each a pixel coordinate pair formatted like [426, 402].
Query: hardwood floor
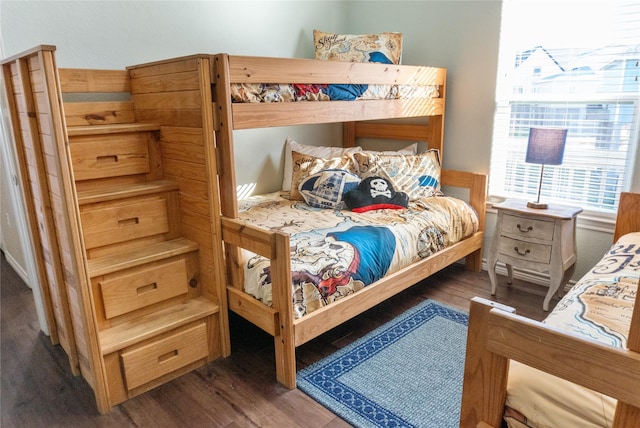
[38, 389]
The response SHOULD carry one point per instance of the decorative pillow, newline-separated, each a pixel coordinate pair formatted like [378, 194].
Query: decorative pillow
[384, 47]
[417, 175]
[326, 188]
[306, 165]
[375, 193]
[317, 151]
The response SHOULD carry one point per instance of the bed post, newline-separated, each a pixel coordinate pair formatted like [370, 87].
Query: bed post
[349, 134]
[485, 374]
[284, 340]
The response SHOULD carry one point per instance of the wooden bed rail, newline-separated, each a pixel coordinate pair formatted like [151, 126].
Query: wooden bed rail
[497, 335]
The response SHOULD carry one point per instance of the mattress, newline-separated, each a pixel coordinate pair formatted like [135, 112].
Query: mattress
[335, 253]
[281, 92]
[598, 307]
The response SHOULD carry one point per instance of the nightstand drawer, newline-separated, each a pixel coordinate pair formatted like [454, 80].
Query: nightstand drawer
[527, 227]
[144, 363]
[526, 251]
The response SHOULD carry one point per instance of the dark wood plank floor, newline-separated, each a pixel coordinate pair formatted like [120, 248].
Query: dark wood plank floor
[38, 390]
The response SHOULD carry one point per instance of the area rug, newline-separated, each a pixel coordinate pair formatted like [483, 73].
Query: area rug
[406, 373]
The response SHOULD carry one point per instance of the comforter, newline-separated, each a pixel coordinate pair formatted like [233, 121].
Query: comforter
[280, 92]
[337, 252]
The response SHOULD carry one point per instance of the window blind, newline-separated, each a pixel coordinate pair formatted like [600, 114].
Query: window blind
[575, 66]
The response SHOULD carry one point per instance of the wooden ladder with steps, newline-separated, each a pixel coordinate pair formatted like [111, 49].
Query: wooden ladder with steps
[127, 244]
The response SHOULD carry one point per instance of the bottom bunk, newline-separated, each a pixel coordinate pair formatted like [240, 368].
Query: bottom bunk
[580, 366]
[276, 240]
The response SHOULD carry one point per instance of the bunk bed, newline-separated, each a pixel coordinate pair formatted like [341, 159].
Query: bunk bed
[579, 367]
[232, 75]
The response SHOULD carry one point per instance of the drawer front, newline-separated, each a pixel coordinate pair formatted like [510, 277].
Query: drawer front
[144, 363]
[140, 287]
[109, 156]
[526, 251]
[120, 222]
[528, 227]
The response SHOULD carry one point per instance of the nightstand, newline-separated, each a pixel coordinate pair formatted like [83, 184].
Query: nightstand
[543, 240]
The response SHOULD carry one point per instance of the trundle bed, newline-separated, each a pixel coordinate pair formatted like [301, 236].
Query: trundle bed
[580, 366]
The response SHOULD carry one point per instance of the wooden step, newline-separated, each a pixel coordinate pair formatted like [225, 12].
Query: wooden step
[148, 326]
[150, 253]
[119, 128]
[125, 191]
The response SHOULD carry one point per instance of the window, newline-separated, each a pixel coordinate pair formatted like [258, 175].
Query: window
[574, 65]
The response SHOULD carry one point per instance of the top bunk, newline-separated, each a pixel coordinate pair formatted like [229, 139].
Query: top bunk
[411, 91]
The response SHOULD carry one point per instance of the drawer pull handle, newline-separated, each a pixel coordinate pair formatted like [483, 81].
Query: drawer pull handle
[107, 159]
[164, 357]
[527, 251]
[128, 221]
[528, 229]
[147, 288]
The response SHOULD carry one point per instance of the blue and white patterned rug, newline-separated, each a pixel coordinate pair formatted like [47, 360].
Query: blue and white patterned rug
[406, 373]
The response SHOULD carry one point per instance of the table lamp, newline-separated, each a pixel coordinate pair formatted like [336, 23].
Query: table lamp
[545, 147]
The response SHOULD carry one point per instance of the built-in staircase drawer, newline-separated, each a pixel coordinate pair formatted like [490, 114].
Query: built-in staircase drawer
[139, 287]
[146, 362]
[101, 156]
[120, 221]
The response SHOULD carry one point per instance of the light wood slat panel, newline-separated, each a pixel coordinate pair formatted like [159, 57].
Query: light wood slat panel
[91, 80]
[245, 69]
[170, 66]
[168, 100]
[185, 81]
[249, 115]
[98, 113]
[186, 118]
[253, 310]
[121, 128]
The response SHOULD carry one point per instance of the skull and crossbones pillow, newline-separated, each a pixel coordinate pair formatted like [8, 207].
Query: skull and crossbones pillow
[374, 193]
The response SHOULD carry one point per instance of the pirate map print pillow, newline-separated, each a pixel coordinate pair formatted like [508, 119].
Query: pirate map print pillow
[416, 175]
[327, 188]
[383, 48]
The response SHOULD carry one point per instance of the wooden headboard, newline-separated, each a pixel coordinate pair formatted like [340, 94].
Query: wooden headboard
[628, 219]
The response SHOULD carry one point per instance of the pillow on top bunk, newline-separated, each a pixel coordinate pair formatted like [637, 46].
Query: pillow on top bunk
[326, 189]
[325, 152]
[416, 175]
[384, 47]
[306, 165]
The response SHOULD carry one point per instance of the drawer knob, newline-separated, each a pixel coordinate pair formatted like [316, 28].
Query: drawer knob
[528, 229]
[522, 253]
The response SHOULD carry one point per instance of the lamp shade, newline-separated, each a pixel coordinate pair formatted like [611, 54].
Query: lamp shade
[546, 146]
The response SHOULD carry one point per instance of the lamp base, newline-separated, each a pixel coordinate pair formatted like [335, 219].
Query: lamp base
[537, 205]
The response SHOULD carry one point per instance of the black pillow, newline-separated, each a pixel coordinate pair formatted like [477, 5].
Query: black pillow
[375, 193]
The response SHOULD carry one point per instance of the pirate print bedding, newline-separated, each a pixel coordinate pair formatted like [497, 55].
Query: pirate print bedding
[598, 307]
[337, 251]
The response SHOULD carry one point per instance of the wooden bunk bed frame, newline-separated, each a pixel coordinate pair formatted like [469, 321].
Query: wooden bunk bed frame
[356, 116]
[496, 335]
[170, 132]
